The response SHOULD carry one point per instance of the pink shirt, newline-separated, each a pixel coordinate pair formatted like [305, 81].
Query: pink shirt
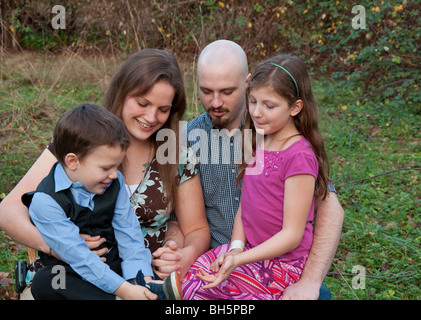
[263, 195]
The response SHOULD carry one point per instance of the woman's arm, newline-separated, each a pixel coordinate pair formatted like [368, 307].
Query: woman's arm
[190, 211]
[192, 226]
[14, 216]
[327, 233]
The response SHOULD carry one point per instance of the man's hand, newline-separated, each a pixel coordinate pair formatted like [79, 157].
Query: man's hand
[302, 290]
[166, 259]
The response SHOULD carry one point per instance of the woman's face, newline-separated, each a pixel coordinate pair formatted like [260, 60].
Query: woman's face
[144, 115]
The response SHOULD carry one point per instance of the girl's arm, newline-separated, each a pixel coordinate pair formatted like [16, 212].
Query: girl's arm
[299, 191]
[237, 234]
[238, 230]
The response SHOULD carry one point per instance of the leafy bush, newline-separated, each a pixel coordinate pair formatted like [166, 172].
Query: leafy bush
[382, 59]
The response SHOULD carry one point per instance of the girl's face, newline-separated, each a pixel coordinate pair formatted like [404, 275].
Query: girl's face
[144, 115]
[270, 112]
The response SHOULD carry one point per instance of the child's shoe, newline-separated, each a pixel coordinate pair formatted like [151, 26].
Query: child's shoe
[169, 289]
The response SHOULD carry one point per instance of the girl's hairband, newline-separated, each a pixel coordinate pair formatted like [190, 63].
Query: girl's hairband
[296, 86]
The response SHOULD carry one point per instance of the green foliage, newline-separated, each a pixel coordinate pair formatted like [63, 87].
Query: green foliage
[382, 59]
[375, 159]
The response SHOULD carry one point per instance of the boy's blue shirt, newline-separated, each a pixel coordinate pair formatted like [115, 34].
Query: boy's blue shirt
[62, 235]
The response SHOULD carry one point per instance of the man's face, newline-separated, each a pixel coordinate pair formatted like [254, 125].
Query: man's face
[222, 92]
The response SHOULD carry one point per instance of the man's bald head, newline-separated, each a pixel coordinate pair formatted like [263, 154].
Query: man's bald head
[222, 53]
[223, 78]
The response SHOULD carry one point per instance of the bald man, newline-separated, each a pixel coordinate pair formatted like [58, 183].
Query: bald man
[223, 78]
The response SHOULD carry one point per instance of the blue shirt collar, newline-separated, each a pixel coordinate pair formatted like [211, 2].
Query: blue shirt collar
[61, 179]
[81, 196]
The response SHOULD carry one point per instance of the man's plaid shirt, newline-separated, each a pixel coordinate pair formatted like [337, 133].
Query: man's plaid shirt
[218, 155]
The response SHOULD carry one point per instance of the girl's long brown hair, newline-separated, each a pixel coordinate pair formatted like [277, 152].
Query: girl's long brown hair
[268, 75]
[136, 77]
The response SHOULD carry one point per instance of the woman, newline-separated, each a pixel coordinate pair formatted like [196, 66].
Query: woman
[147, 93]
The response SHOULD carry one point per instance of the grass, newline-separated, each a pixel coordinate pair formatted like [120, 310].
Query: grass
[373, 148]
[375, 159]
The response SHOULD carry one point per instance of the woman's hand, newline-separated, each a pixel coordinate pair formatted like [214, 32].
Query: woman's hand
[166, 259]
[94, 242]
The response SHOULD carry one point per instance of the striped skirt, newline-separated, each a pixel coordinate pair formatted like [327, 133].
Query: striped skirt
[263, 280]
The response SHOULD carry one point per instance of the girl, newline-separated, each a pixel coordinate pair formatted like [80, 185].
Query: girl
[272, 232]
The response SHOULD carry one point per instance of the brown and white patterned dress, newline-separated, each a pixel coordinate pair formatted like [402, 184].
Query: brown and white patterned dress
[149, 201]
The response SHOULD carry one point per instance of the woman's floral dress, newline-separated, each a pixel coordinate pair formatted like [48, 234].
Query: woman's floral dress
[149, 201]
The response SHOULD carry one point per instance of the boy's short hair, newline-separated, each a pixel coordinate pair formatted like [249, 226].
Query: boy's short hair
[86, 127]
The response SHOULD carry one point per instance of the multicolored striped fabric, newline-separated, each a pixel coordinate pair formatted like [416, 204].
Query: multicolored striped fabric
[263, 280]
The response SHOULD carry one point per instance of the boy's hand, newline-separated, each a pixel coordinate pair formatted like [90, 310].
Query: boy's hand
[128, 291]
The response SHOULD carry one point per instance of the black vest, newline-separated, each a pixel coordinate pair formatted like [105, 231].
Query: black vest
[96, 222]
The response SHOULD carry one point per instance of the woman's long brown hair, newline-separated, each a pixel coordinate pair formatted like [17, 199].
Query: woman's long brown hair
[136, 77]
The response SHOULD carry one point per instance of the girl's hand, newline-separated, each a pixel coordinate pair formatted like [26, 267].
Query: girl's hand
[228, 265]
[220, 260]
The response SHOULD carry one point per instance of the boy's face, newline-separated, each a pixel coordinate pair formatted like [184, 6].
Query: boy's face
[98, 168]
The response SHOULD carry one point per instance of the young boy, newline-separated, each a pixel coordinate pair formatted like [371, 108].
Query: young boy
[84, 193]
